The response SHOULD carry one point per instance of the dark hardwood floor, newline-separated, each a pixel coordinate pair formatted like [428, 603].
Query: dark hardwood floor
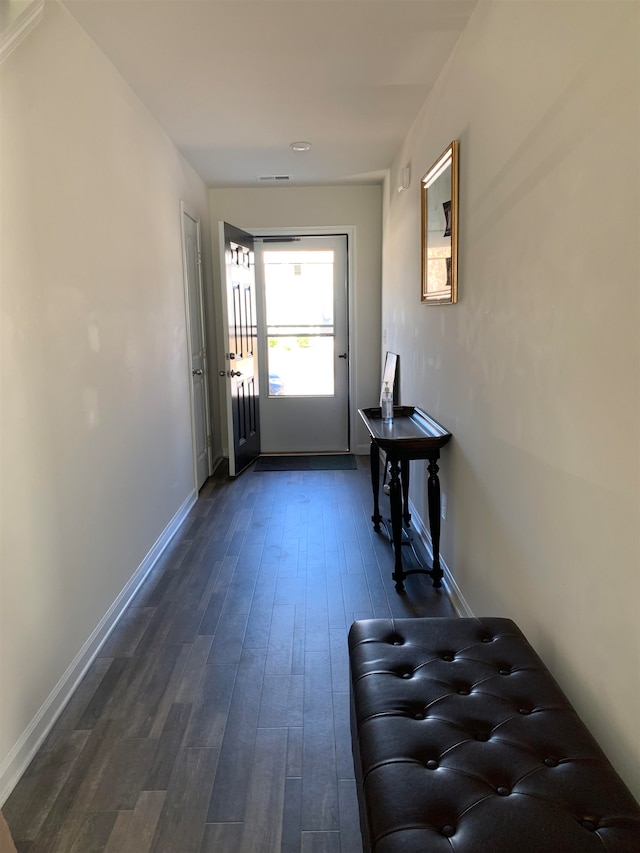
[216, 717]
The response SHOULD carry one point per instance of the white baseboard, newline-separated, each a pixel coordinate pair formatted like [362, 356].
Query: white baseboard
[31, 739]
[217, 461]
[448, 581]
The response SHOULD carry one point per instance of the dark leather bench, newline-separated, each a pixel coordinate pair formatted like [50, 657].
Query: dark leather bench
[463, 742]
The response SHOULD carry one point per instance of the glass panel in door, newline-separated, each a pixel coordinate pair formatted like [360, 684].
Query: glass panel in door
[305, 406]
[300, 329]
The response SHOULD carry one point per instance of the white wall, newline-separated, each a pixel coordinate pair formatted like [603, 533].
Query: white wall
[96, 440]
[300, 207]
[536, 370]
[11, 10]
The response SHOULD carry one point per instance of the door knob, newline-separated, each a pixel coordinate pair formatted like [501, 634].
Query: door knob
[343, 355]
[197, 372]
[235, 373]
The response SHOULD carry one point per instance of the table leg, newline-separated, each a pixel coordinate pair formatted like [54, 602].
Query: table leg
[404, 475]
[395, 501]
[374, 455]
[433, 497]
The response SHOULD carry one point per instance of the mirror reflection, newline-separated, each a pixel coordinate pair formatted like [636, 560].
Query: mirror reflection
[440, 229]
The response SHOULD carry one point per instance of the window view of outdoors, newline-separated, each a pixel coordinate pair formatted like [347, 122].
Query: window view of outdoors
[300, 322]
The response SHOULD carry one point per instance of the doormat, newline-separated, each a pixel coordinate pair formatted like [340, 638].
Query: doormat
[307, 462]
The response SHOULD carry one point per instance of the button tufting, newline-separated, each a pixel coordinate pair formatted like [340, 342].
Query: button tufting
[510, 761]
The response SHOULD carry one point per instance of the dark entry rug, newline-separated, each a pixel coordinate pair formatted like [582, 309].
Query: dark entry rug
[307, 462]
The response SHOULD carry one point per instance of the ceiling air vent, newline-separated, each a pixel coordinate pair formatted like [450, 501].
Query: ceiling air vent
[274, 178]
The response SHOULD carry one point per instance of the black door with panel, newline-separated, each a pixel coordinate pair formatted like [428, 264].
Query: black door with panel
[241, 348]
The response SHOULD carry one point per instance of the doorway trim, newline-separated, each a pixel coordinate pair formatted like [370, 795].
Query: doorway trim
[184, 211]
[320, 231]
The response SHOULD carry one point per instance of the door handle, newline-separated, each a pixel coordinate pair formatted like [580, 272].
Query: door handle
[197, 372]
[235, 373]
[344, 355]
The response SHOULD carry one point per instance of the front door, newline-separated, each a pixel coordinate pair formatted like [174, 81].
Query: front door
[241, 352]
[304, 358]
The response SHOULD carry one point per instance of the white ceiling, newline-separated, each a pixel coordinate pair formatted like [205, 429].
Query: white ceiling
[234, 82]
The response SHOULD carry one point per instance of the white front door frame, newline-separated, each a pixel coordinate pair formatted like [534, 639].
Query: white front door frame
[195, 360]
[323, 230]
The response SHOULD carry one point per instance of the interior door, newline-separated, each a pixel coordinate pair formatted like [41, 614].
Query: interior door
[200, 425]
[241, 351]
[304, 356]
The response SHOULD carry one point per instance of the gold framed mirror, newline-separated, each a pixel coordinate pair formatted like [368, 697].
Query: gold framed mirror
[439, 191]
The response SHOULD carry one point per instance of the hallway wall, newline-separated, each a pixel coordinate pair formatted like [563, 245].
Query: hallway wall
[536, 370]
[96, 457]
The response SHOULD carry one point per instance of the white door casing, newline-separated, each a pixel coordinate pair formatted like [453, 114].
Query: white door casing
[196, 346]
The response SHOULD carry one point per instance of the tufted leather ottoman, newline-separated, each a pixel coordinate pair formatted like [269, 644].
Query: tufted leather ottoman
[464, 742]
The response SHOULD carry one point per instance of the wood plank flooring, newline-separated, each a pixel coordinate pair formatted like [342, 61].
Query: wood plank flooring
[216, 717]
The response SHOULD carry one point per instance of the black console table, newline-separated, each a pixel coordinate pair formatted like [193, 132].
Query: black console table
[412, 434]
